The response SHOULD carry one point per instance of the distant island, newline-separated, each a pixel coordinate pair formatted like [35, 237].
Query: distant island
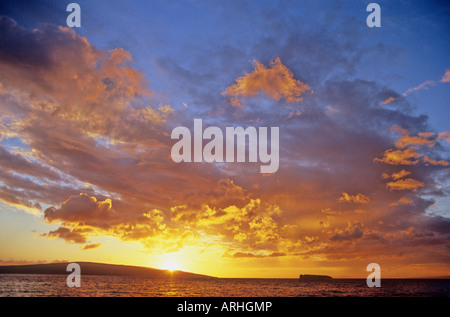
[91, 268]
[311, 277]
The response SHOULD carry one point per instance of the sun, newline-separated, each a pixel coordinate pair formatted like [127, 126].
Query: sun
[172, 267]
[171, 262]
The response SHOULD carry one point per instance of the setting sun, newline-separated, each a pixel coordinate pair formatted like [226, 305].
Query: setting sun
[171, 262]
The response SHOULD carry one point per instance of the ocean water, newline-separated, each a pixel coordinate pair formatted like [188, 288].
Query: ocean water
[35, 285]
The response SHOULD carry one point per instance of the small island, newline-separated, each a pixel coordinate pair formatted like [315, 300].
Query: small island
[311, 277]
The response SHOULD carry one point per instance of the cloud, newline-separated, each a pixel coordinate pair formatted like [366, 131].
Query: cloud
[403, 200]
[91, 246]
[406, 139]
[150, 115]
[444, 135]
[406, 152]
[82, 209]
[427, 160]
[446, 77]
[406, 156]
[276, 81]
[293, 114]
[426, 84]
[397, 175]
[352, 232]
[359, 198]
[21, 165]
[404, 184]
[63, 77]
[422, 86]
[252, 226]
[79, 112]
[67, 234]
[388, 101]
[254, 255]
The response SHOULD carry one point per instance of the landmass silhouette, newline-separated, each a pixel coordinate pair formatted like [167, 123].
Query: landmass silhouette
[311, 277]
[91, 268]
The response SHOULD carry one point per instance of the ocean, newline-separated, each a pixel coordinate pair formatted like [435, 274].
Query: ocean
[42, 285]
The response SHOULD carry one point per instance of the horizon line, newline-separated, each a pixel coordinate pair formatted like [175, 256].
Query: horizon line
[234, 277]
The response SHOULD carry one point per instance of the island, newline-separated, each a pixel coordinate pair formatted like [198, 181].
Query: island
[311, 277]
[91, 268]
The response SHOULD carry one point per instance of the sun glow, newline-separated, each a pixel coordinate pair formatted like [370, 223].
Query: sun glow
[171, 262]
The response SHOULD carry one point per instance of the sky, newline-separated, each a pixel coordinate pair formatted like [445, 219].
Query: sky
[87, 114]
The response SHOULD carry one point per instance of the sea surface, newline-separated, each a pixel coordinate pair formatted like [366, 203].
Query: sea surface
[35, 285]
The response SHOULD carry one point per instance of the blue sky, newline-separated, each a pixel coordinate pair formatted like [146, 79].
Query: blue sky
[410, 48]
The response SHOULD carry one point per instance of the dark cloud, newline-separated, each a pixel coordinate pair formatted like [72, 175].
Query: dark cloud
[82, 209]
[26, 47]
[20, 165]
[67, 234]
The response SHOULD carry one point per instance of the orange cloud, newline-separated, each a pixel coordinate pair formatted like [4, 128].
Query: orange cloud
[422, 86]
[252, 226]
[400, 174]
[73, 82]
[294, 113]
[353, 231]
[406, 153]
[425, 135]
[405, 184]
[396, 176]
[429, 161]
[149, 115]
[446, 77]
[407, 156]
[444, 135]
[406, 139]
[403, 201]
[388, 101]
[276, 81]
[359, 198]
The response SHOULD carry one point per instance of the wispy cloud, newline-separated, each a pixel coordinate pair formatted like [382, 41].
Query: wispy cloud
[422, 86]
[91, 246]
[388, 101]
[403, 184]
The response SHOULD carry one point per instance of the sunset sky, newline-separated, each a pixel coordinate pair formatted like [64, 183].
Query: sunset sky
[86, 116]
